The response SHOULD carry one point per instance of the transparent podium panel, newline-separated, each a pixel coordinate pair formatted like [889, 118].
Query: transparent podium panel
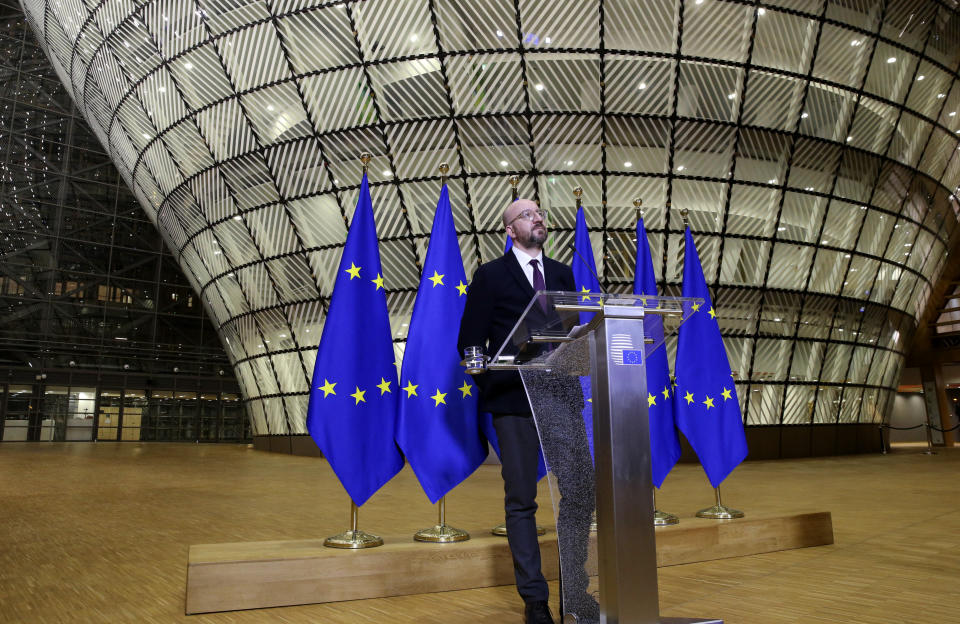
[561, 340]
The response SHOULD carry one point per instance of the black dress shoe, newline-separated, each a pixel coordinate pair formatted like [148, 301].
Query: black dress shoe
[537, 612]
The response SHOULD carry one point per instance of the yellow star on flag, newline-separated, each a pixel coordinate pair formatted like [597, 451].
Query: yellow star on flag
[465, 389]
[585, 297]
[590, 400]
[410, 389]
[688, 398]
[384, 386]
[696, 307]
[712, 313]
[439, 398]
[651, 400]
[462, 288]
[378, 281]
[437, 279]
[666, 392]
[708, 402]
[327, 388]
[643, 299]
[726, 394]
[358, 396]
[354, 271]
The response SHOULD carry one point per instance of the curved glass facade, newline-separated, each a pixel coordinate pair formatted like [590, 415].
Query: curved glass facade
[815, 145]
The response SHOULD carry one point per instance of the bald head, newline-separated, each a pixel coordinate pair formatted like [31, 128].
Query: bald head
[514, 209]
[523, 221]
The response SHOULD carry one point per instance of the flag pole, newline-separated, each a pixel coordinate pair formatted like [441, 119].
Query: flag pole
[355, 538]
[718, 511]
[501, 529]
[441, 533]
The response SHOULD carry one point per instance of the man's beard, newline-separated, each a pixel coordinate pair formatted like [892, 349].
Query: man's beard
[536, 238]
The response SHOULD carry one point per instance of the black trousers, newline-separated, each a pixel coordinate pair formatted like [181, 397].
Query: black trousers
[519, 446]
[519, 451]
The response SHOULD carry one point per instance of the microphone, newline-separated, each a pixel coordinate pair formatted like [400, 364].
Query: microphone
[593, 273]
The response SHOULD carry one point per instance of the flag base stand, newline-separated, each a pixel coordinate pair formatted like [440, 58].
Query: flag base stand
[441, 533]
[662, 518]
[354, 538]
[719, 511]
[501, 530]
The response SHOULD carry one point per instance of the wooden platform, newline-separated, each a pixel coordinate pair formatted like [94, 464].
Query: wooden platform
[251, 575]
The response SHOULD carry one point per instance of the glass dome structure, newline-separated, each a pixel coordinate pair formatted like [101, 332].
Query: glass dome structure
[814, 144]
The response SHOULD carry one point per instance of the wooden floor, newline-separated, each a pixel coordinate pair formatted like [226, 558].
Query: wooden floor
[99, 533]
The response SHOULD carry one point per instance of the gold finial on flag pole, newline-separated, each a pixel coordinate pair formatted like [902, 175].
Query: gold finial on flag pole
[514, 181]
[444, 169]
[578, 196]
[684, 214]
[354, 538]
[365, 158]
[442, 533]
[638, 206]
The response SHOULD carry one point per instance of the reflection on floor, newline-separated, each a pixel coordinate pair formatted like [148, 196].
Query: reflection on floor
[99, 533]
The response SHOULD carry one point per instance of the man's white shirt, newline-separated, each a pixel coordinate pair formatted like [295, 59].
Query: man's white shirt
[524, 259]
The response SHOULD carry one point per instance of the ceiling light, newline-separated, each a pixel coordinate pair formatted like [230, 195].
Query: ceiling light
[849, 138]
[642, 85]
[269, 107]
[548, 40]
[413, 37]
[538, 86]
[146, 136]
[772, 181]
[781, 229]
[730, 96]
[188, 65]
[499, 33]
[940, 96]
[761, 11]
[804, 115]
[237, 217]
[569, 163]
[892, 59]
[681, 168]
[387, 172]
[627, 164]
[162, 89]
[856, 42]
[503, 163]
[953, 114]
[920, 77]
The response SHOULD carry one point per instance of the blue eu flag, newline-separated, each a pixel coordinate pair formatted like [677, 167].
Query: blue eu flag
[585, 281]
[438, 428]
[353, 397]
[708, 411]
[664, 442]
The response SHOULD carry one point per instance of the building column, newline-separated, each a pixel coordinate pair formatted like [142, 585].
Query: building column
[935, 399]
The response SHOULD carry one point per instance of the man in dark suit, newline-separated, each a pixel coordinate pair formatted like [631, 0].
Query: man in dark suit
[499, 293]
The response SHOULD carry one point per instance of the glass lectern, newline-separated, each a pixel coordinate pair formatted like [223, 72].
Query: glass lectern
[578, 349]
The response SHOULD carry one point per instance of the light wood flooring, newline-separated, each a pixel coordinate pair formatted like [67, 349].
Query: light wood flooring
[99, 533]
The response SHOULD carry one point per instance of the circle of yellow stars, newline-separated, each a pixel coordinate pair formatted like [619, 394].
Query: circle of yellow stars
[359, 396]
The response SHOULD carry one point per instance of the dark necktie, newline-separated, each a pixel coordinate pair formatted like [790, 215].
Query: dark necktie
[538, 283]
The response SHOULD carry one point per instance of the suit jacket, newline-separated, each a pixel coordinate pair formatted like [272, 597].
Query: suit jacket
[498, 295]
